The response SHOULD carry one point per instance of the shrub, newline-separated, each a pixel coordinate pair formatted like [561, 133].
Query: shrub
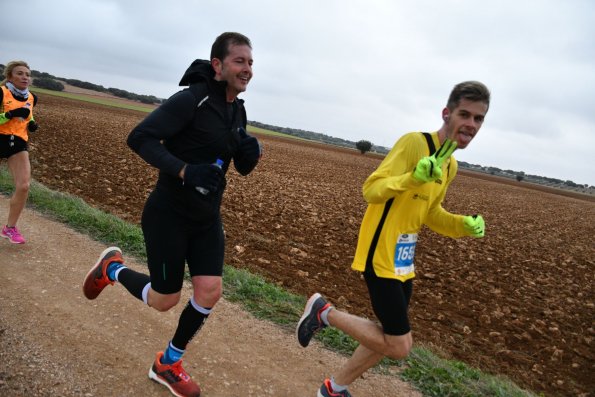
[47, 83]
[363, 146]
[86, 85]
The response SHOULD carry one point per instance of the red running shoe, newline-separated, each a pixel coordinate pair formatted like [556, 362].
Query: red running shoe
[174, 377]
[96, 280]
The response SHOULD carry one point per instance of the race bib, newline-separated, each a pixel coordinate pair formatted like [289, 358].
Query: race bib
[404, 254]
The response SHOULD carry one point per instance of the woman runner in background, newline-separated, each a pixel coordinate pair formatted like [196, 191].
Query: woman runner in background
[16, 121]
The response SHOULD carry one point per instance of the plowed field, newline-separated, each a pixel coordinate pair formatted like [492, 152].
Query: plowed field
[518, 302]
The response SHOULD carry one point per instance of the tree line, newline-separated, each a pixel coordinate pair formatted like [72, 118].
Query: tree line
[50, 82]
[362, 145]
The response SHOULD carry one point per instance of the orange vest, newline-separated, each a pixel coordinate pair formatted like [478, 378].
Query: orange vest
[17, 125]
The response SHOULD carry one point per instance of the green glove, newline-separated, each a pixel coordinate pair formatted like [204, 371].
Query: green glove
[429, 168]
[475, 225]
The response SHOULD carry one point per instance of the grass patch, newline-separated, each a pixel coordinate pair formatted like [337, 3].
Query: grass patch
[438, 377]
[264, 300]
[262, 131]
[431, 375]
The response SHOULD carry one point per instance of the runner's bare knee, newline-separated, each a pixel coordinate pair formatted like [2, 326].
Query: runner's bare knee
[165, 302]
[398, 347]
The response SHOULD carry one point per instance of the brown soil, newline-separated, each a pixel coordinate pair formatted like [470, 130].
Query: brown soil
[517, 303]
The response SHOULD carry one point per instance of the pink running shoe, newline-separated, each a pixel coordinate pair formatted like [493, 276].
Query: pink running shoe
[13, 235]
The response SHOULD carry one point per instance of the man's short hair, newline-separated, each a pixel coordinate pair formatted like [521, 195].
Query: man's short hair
[220, 48]
[470, 90]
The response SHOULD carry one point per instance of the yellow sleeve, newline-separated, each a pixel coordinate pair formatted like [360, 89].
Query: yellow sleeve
[394, 174]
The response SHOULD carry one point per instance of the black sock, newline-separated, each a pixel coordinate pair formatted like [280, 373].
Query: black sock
[191, 320]
[134, 282]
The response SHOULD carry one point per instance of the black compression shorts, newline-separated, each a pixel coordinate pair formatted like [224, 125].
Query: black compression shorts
[390, 301]
[11, 144]
[172, 241]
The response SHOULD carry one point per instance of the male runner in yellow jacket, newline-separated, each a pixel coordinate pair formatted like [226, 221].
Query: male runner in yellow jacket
[405, 192]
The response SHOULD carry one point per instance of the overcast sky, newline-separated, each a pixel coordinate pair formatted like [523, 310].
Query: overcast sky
[354, 69]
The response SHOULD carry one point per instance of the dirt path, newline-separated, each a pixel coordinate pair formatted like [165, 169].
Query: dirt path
[55, 342]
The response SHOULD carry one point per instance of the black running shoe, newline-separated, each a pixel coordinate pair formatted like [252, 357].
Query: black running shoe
[310, 323]
[326, 390]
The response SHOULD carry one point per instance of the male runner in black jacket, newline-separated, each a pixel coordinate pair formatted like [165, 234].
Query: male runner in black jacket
[181, 221]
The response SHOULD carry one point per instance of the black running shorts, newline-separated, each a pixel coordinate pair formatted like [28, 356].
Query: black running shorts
[11, 144]
[172, 241]
[390, 300]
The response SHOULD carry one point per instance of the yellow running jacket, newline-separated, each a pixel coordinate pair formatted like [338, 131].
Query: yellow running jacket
[398, 206]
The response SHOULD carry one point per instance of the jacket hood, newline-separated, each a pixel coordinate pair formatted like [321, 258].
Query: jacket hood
[198, 70]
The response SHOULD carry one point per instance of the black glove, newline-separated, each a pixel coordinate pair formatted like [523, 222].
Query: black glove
[250, 151]
[20, 112]
[32, 126]
[208, 176]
